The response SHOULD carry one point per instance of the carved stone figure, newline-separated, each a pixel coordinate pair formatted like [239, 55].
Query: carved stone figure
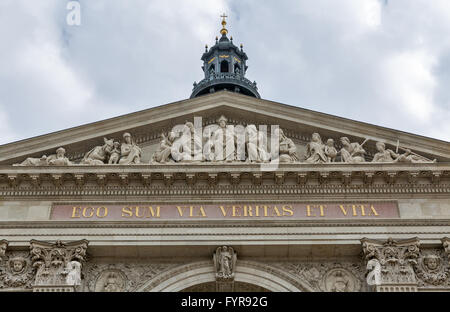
[52, 261]
[383, 154]
[315, 150]
[225, 263]
[411, 157]
[397, 259]
[110, 280]
[115, 154]
[163, 154]
[330, 151]
[130, 152]
[287, 148]
[73, 270]
[254, 139]
[186, 145]
[99, 154]
[3, 246]
[112, 283]
[352, 152]
[58, 159]
[16, 271]
[224, 141]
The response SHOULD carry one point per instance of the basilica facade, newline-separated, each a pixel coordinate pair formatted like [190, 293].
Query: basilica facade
[225, 191]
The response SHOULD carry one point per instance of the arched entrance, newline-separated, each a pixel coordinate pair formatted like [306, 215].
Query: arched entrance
[249, 274]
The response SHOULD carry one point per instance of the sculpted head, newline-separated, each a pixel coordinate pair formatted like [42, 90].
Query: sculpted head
[431, 262]
[316, 137]
[17, 264]
[127, 137]
[60, 152]
[222, 121]
[380, 146]
[345, 141]
[330, 142]
[171, 136]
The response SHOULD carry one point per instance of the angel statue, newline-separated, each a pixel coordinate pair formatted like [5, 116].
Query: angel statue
[73, 277]
[225, 262]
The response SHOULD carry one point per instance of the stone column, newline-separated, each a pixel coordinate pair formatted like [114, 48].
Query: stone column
[391, 264]
[58, 265]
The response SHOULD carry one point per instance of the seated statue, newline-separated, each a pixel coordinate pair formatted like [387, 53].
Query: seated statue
[351, 152]
[287, 149]
[315, 150]
[58, 159]
[115, 154]
[163, 153]
[130, 152]
[383, 154]
[330, 151]
[99, 154]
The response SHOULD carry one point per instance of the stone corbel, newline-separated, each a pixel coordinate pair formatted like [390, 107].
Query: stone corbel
[412, 176]
[191, 178]
[391, 177]
[302, 178]
[346, 178]
[212, 179]
[368, 178]
[279, 178]
[146, 179]
[124, 180]
[323, 177]
[436, 177]
[57, 179]
[13, 180]
[79, 179]
[235, 178]
[257, 178]
[168, 179]
[35, 180]
[101, 179]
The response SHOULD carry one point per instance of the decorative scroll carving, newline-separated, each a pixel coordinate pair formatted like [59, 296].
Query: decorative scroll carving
[339, 280]
[58, 159]
[396, 258]
[16, 271]
[58, 264]
[225, 263]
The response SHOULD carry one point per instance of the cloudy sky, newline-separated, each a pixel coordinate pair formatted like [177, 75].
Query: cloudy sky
[386, 62]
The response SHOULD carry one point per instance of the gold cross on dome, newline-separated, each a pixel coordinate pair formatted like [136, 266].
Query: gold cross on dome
[223, 16]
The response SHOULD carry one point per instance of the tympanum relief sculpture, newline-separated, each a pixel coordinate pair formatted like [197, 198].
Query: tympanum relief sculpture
[223, 142]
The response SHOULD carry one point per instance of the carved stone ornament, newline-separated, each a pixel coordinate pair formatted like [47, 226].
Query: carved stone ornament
[446, 245]
[339, 280]
[225, 263]
[58, 264]
[431, 269]
[3, 246]
[17, 271]
[387, 155]
[58, 159]
[111, 280]
[396, 259]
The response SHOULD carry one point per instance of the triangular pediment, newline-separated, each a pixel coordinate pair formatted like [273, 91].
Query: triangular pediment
[146, 127]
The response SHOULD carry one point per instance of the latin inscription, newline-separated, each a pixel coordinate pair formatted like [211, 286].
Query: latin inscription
[376, 210]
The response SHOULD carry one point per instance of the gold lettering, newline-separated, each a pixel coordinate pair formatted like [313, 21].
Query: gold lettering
[127, 212]
[265, 210]
[222, 208]
[152, 212]
[202, 212]
[308, 211]
[257, 211]
[248, 211]
[354, 210]
[288, 209]
[191, 209]
[137, 212]
[344, 211]
[91, 214]
[372, 209]
[363, 211]
[322, 207]
[236, 212]
[74, 211]
[180, 211]
[105, 212]
[277, 212]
